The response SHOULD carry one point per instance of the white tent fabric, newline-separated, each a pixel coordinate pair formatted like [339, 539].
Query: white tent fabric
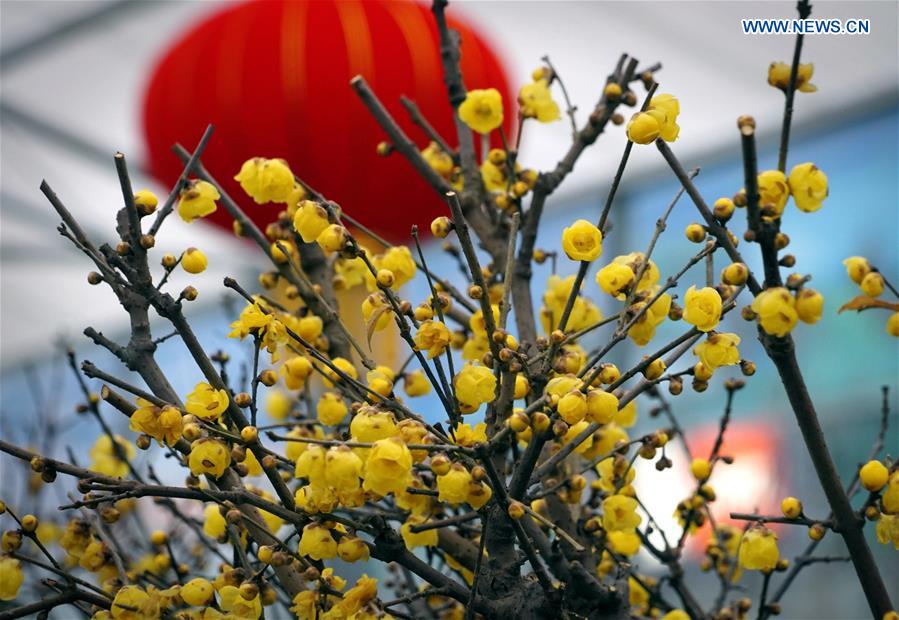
[86, 80]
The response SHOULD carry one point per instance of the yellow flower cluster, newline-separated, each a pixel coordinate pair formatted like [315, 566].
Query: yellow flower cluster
[536, 101]
[658, 121]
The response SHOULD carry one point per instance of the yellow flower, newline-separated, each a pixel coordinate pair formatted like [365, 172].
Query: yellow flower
[773, 191]
[468, 436]
[343, 468]
[433, 337]
[573, 432]
[197, 592]
[779, 76]
[572, 407]
[809, 305]
[718, 350]
[857, 267]
[583, 313]
[193, 261]
[214, 524]
[452, 487]
[352, 549]
[808, 186]
[482, 110]
[310, 327]
[146, 198]
[238, 607]
[354, 599]
[105, 457]
[536, 101]
[333, 238]
[626, 416]
[277, 405]
[475, 385]
[643, 128]
[438, 159]
[614, 278]
[311, 465]
[388, 468]
[331, 410]
[888, 530]
[619, 513]
[310, 220]
[478, 495]
[702, 308]
[266, 180]
[874, 475]
[317, 542]
[758, 549]
[209, 456]
[305, 605]
[776, 310]
[676, 614]
[10, 578]
[872, 284]
[582, 241]
[426, 538]
[398, 260]
[342, 364]
[665, 108]
[890, 498]
[644, 329]
[416, 384]
[625, 543]
[370, 425]
[206, 402]
[601, 406]
[376, 311]
[296, 370]
[197, 199]
[131, 603]
[892, 326]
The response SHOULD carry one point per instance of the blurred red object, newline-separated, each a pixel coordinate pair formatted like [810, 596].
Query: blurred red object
[273, 77]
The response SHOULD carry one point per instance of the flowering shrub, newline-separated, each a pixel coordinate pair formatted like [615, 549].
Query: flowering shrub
[517, 497]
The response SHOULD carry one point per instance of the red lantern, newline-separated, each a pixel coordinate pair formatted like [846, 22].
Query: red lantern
[273, 77]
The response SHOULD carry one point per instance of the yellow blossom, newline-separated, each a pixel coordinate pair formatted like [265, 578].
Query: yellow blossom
[808, 186]
[438, 159]
[779, 76]
[209, 456]
[296, 370]
[194, 261]
[317, 542]
[333, 238]
[311, 465]
[718, 350]
[398, 260]
[857, 267]
[206, 402]
[644, 329]
[146, 198]
[197, 199]
[482, 110]
[478, 495]
[10, 578]
[197, 592]
[388, 468]
[626, 416]
[433, 337]
[466, 435]
[214, 524]
[776, 310]
[452, 487]
[601, 406]
[887, 530]
[582, 241]
[572, 407]
[106, 458]
[535, 101]
[758, 550]
[665, 108]
[370, 425]
[331, 410]
[892, 326]
[427, 538]
[872, 284]
[624, 542]
[345, 366]
[619, 513]
[773, 192]
[702, 308]
[475, 385]
[890, 498]
[809, 305]
[352, 549]
[277, 404]
[416, 384]
[614, 278]
[874, 475]
[131, 603]
[343, 468]
[643, 128]
[266, 180]
[310, 220]
[232, 601]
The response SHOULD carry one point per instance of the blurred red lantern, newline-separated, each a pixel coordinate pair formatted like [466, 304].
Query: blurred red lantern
[273, 77]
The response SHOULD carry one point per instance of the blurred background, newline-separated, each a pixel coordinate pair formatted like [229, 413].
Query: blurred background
[81, 80]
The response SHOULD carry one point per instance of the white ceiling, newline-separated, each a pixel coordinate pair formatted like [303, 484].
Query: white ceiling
[90, 84]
